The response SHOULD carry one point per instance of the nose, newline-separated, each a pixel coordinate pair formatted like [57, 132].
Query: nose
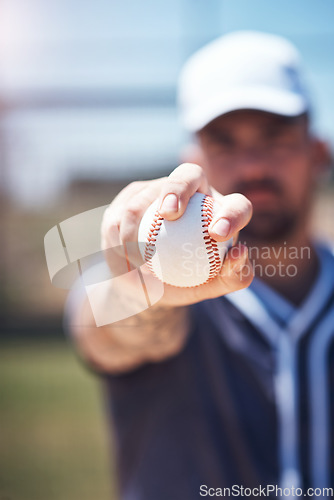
[253, 162]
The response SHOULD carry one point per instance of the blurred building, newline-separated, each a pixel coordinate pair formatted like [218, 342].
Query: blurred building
[89, 90]
[87, 103]
[87, 98]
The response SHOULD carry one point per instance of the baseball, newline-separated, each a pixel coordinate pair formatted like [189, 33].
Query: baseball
[181, 252]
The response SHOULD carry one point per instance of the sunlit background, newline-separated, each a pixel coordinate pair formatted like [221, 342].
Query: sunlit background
[87, 104]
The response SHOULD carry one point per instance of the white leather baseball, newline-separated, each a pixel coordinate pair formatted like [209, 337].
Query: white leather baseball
[181, 252]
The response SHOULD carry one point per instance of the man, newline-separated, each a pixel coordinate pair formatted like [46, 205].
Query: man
[209, 389]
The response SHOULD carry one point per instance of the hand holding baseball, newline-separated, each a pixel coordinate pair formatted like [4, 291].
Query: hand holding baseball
[171, 195]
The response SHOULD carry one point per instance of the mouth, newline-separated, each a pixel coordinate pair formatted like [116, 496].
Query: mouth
[261, 195]
[261, 192]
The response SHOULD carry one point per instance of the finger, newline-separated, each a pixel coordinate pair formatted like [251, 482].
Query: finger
[234, 213]
[133, 212]
[135, 187]
[112, 215]
[118, 235]
[236, 273]
[110, 229]
[181, 184]
[236, 258]
[130, 199]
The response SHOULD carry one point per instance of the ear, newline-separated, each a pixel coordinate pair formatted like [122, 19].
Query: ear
[322, 158]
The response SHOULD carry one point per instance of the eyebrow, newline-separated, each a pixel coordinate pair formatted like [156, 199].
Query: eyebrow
[218, 135]
[275, 130]
[280, 127]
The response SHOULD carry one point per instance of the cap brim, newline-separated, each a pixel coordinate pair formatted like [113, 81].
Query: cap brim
[259, 98]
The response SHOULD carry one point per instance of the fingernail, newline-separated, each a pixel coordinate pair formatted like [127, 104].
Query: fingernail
[170, 203]
[222, 227]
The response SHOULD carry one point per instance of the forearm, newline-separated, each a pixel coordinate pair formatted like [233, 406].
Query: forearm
[151, 335]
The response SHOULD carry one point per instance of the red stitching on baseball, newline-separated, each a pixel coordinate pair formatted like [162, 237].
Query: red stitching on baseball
[210, 244]
[151, 239]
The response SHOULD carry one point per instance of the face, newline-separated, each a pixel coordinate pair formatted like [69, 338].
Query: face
[269, 159]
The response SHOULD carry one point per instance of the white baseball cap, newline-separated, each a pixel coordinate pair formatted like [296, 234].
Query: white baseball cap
[241, 70]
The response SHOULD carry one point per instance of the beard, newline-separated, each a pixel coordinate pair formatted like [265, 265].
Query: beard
[272, 223]
[270, 227]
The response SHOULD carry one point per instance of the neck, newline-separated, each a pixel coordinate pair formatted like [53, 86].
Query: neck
[290, 266]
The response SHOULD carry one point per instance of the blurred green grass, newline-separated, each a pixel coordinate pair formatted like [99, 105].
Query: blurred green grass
[54, 443]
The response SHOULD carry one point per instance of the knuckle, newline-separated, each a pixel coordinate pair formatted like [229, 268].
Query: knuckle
[132, 210]
[245, 276]
[109, 217]
[238, 209]
[132, 188]
[109, 232]
[177, 184]
[136, 184]
[248, 205]
[192, 166]
[243, 201]
[188, 169]
[126, 232]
